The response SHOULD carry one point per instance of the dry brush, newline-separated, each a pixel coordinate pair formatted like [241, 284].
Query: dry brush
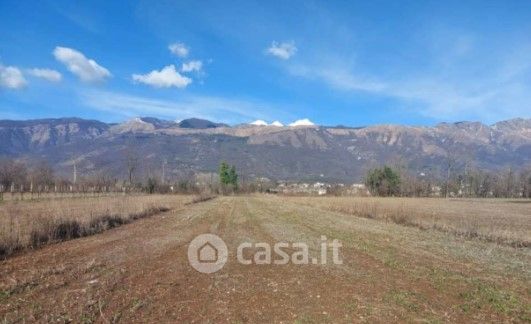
[30, 224]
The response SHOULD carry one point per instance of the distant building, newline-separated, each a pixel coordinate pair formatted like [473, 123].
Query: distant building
[303, 188]
[358, 189]
[436, 191]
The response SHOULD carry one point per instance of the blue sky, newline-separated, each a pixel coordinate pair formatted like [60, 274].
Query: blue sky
[333, 62]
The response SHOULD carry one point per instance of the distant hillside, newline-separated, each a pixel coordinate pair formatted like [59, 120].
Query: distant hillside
[291, 153]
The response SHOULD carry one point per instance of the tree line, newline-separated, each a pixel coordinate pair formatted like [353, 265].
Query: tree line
[388, 181]
[17, 177]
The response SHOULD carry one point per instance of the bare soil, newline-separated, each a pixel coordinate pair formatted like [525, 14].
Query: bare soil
[139, 272]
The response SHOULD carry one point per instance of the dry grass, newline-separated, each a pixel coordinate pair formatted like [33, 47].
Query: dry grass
[502, 221]
[201, 197]
[25, 224]
[17, 196]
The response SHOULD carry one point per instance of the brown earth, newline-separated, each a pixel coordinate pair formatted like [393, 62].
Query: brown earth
[140, 272]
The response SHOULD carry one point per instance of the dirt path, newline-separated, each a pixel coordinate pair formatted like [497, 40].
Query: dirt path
[140, 272]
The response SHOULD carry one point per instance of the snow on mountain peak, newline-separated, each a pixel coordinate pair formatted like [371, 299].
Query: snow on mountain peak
[259, 122]
[302, 122]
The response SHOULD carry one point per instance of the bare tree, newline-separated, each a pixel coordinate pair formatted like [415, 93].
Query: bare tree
[525, 180]
[163, 176]
[510, 183]
[131, 162]
[12, 173]
[42, 175]
[450, 161]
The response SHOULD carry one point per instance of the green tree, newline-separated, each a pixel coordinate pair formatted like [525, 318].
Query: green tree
[224, 173]
[233, 177]
[383, 181]
[228, 176]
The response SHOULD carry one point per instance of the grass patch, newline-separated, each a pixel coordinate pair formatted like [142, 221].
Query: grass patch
[404, 299]
[4, 294]
[439, 278]
[483, 295]
[495, 221]
[352, 306]
[137, 304]
[391, 263]
[305, 319]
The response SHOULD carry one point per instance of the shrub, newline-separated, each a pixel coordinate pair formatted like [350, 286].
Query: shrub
[383, 182]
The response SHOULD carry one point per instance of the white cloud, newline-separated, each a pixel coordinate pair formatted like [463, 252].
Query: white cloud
[227, 110]
[191, 66]
[47, 74]
[277, 123]
[447, 94]
[337, 77]
[259, 122]
[282, 50]
[11, 77]
[165, 78]
[455, 76]
[302, 122]
[179, 49]
[86, 69]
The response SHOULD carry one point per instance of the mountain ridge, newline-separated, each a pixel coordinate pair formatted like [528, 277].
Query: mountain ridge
[518, 121]
[335, 153]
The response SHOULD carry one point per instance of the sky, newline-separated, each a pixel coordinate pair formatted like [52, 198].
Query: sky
[349, 63]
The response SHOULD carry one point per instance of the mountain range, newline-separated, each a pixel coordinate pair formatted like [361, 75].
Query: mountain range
[306, 152]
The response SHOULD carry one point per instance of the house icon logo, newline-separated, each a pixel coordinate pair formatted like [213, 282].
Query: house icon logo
[207, 253]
